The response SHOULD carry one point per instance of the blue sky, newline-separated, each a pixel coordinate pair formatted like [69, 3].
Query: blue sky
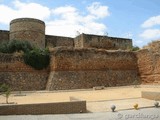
[135, 19]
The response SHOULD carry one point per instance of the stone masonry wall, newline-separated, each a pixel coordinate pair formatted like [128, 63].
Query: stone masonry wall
[86, 68]
[149, 66]
[28, 29]
[44, 108]
[55, 41]
[19, 76]
[104, 42]
[4, 36]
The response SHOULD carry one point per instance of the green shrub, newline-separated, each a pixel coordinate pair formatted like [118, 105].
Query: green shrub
[135, 48]
[6, 91]
[4, 47]
[37, 58]
[15, 45]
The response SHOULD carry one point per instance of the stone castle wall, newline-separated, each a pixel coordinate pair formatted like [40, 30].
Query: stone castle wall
[86, 68]
[18, 75]
[71, 69]
[55, 41]
[149, 66]
[4, 36]
[104, 42]
[78, 64]
[33, 30]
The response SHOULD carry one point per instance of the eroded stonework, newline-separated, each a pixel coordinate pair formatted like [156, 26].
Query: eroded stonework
[82, 62]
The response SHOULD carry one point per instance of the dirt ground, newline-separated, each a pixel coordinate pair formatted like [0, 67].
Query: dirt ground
[97, 100]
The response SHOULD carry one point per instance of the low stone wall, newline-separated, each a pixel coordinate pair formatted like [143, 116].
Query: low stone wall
[19, 76]
[44, 108]
[150, 95]
[86, 68]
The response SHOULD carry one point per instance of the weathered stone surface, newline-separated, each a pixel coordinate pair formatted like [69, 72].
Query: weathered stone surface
[28, 29]
[104, 42]
[149, 66]
[88, 79]
[14, 72]
[56, 41]
[24, 80]
[44, 108]
[92, 59]
[86, 68]
[4, 36]
[145, 62]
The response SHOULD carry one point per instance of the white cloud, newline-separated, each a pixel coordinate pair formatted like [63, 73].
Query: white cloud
[65, 9]
[150, 34]
[63, 21]
[98, 10]
[155, 20]
[23, 10]
[71, 20]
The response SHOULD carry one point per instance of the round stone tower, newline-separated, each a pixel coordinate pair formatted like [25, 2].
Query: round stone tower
[29, 29]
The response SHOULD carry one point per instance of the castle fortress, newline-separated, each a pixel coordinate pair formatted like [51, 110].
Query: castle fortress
[33, 30]
[82, 62]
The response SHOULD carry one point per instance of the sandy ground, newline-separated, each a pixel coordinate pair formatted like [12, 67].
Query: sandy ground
[97, 100]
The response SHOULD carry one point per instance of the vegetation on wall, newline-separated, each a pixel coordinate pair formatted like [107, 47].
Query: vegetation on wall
[35, 57]
[135, 48]
[15, 45]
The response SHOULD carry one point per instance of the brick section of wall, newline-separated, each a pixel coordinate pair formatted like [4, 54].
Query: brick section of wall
[4, 36]
[15, 63]
[105, 42]
[149, 66]
[14, 72]
[68, 59]
[44, 108]
[86, 68]
[55, 41]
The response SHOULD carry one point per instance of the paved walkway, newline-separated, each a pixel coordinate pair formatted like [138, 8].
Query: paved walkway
[141, 114]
